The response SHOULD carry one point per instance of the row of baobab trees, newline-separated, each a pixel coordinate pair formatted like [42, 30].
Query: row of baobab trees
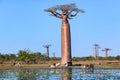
[96, 51]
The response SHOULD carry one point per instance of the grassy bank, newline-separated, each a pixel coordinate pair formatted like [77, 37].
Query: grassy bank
[97, 64]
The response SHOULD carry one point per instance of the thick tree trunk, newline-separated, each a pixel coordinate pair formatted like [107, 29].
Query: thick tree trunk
[66, 43]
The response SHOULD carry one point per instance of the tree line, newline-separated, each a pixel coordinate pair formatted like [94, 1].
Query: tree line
[99, 58]
[29, 57]
[25, 56]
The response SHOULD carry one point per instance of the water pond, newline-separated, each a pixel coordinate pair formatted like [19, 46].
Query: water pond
[59, 74]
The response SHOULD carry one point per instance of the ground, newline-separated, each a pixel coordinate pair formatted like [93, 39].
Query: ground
[97, 64]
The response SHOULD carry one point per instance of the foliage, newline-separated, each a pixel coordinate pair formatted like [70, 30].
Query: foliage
[117, 57]
[7, 57]
[68, 9]
[23, 55]
[83, 58]
[34, 57]
[28, 57]
[55, 58]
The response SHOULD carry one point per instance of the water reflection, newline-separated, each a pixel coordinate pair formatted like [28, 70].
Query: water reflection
[67, 74]
[59, 74]
[18, 74]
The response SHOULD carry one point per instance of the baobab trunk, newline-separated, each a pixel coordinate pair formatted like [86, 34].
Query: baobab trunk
[66, 43]
[47, 53]
[47, 49]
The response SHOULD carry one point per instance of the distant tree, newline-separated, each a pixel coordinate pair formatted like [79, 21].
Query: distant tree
[55, 58]
[89, 58]
[102, 58]
[7, 57]
[76, 58]
[45, 58]
[47, 49]
[35, 57]
[24, 55]
[106, 51]
[1, 58]
[110, 58]
[118, 57]
[12, 56]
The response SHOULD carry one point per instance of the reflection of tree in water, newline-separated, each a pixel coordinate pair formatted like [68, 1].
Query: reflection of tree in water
[23, 74]
[7, 74]
[66, 74]
[61, 74]
[33, 74]
[27, 74]
[58, 74]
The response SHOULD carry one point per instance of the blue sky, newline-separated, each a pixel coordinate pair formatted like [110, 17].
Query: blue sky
[24, 24]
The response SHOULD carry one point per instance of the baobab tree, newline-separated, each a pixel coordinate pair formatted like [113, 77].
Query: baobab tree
[106, 51]
[96, 54]
[47, 49]
[65, 12]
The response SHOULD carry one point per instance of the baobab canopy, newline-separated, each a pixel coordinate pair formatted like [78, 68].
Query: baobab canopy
[68, 9]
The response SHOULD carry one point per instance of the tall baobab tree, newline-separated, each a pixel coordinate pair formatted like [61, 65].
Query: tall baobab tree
[65, 12]
[96, 54]
[106, 51]
[47, 49]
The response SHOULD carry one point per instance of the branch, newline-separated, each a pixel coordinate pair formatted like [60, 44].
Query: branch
[53, 9]
[75, 11]
[56, 14]
[53, 12]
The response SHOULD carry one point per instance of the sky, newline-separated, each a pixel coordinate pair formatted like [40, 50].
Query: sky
[25, 25]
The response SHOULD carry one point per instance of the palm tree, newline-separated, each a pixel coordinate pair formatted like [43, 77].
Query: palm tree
[65, 12]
